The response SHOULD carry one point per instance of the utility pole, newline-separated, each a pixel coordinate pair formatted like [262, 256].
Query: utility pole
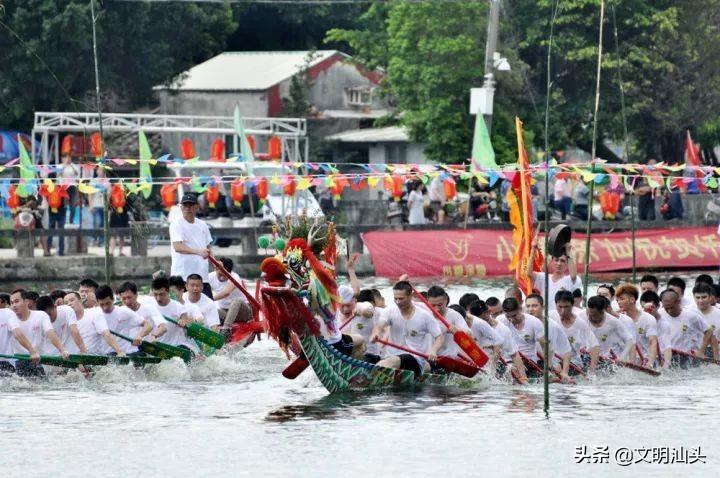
[490, 48]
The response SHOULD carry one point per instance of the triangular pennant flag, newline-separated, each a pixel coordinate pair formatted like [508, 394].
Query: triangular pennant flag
[27, 172]
[145, 158]
[483, 156]
[245, 149]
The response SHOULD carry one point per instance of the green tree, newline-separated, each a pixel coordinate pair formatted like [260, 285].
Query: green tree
[46, 52]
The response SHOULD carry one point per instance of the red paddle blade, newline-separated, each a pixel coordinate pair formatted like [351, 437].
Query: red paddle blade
[295, 368]
[472, 349]
[639, 368]
[453, 365]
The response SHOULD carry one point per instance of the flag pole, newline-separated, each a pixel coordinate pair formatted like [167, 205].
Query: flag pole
[593, 152]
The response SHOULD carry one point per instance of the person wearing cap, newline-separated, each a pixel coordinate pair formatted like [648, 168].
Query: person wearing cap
[189, 243]
[360, 318]
[347, 344]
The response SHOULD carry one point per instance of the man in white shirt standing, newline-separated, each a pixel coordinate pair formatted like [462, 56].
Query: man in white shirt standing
[194, 295]
[564, 275]
[36, 326]
[190, 243]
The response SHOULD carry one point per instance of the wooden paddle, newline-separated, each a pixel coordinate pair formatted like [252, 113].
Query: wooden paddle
[696, 357]
[299, 365]
[89, 359]
[558, 375]
[573, 366]
[462, 339]
[201, 333]
[633, 366]
[159, 349]
[448, 363]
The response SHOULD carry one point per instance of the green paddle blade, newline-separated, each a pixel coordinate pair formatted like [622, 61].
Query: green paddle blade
[165, 351]
[202, 334]
[55, 360]
[135, 360]
[87, 359]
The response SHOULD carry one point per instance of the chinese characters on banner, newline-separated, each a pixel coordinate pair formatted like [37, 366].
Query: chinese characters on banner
[487, 253]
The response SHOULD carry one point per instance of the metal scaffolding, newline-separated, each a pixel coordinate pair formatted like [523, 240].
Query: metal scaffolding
[49, 126]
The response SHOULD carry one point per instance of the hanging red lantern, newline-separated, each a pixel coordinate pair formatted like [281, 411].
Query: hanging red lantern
[237, 192]
[187, 149]
[54, 197]
[213, 195]
[168, 195]
[450, 189]
[67, 144]
[290, 186]
[117, 197]
[96, 146]
[275, 147]
[262, 189]
[217, 153]
[13, 200]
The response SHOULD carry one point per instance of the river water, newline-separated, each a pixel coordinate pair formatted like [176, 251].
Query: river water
[235, 415]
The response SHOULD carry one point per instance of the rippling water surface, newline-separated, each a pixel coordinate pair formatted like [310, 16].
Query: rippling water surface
[237, 416]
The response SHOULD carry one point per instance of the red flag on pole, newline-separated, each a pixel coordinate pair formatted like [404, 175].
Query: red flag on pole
[692, 158]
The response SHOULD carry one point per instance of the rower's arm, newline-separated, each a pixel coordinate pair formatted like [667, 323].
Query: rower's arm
[652, 352]
[55, 340]
[354, 282]
[226, 291]
[519, 367]
[496, 351]
[566, 364]
[146, 328]
[113, 343]
[707, 337]
[77, 338]
[572, 265]
[437, 345]
[23, 340]
[714, 346]
[161, 329]
[594, 356]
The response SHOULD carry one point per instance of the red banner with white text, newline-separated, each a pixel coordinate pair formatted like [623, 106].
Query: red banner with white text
[487, 253]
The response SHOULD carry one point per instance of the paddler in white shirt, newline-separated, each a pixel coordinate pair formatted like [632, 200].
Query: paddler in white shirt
[439, 299]
[129, 296]
[611, 334]
[559, 344]
[360, 324]
[409, 326]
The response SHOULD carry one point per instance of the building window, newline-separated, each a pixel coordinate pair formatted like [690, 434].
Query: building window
[359, 96]
[395, 154]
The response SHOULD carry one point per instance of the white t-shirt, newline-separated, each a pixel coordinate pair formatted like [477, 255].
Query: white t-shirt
[175, 334]
[150, 312]
[611, 335]
[410, 332]
[629, 325]
[363, 326]
[564, 283]
[686, 330]
[8, 323]
[526, 338]
[195, 235]
[579, 335]
[416, 214]
[484, 334]
[123, 321]
[712, 317]
[559, 343]
[664, 334]
[207, 307]
[91, 328]
[509, 347]
[35, 328]
[450, 348]
[645, 327]
[65, 318]
[217, 286]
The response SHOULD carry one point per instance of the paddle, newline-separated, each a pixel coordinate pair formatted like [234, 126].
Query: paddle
[633, 366]
[448, 363]
[107, 359]
[299, 365]
[573, 366]
[696, 357]
[54, 360]
[551, 368]
[159, 349]
[201, 333]
[462, 339]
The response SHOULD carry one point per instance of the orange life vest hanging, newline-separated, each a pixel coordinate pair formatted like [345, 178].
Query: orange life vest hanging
[13, 200]
[217, 153]
[187, 149]
[450, 189]
[289, 188]
[213, 195]
[54, 198]
[275, 147]
[262, 189]
[96, 146]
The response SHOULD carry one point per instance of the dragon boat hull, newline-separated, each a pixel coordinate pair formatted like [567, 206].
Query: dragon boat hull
[338, 372]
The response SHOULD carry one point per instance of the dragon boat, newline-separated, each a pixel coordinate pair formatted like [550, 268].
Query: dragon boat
[299, 298]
